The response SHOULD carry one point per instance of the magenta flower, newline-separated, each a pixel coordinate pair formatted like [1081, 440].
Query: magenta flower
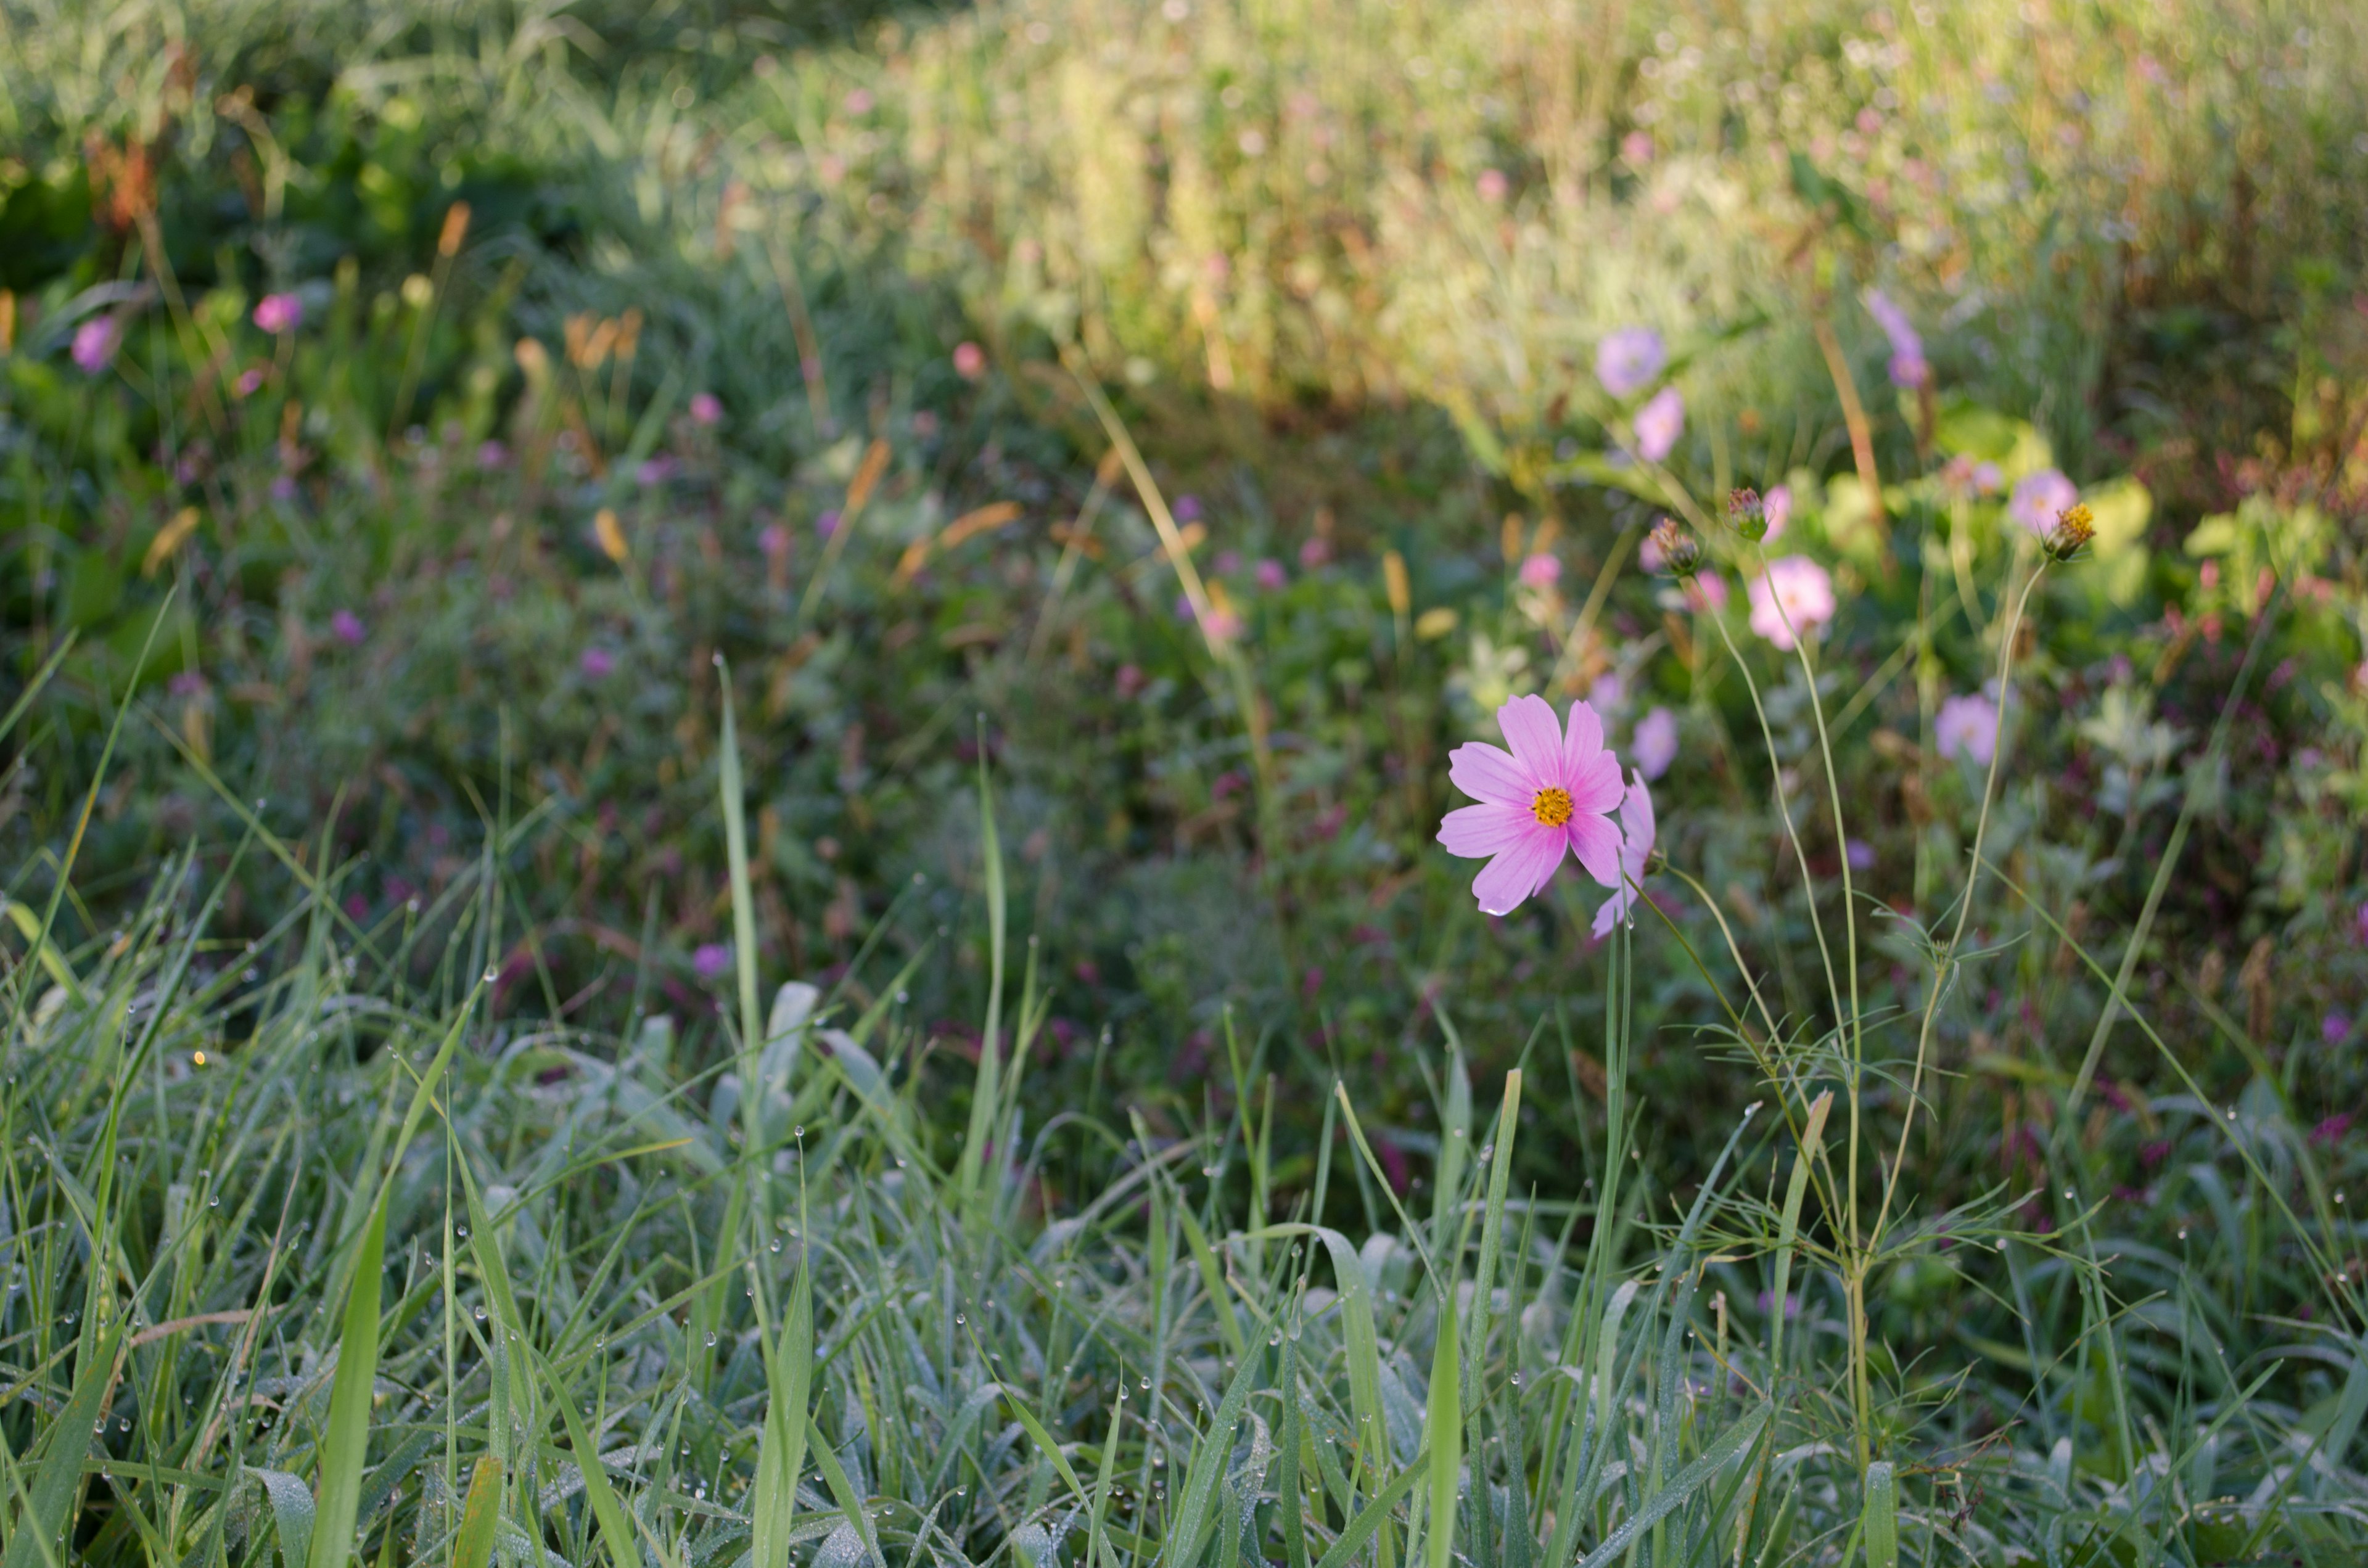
[1540, 571]
[1271, 575]
[348, 627]
[1659, 424]
[1315, 553]
[1627, 361]
[250, 382]
[1187, 508]
[712, 959]
[596, 663]
[492, 455]
[970, 361]
[2038, 497]
[1636, 834]
[1654, 744]
[654, 472]
[95, 343]
[1967, 727]
[1554, 791]
[2334, 1028]
[706, 408]
[1776, 506]
[827, 524]
[1908, 366]
[276, 313]
[1793, 595]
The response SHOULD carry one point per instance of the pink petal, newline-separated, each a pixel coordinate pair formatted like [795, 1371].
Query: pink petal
[1517, 873]
[1535, 736]
[1609, 915]
[1584, 741]
[1637, 827]
[1489, 828]
[1594, 785]
[1597, 844]
[1489, 773]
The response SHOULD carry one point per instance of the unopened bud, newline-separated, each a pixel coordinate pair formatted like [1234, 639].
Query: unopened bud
[1680, 552]
[1748, 513]
[2075, 526]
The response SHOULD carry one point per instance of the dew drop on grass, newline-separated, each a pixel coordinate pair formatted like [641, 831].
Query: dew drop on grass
[481, 1315]
[710, 1339]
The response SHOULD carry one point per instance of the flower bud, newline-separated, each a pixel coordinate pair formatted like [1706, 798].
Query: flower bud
[1680, 552]
[1747, 513]
[2075, 526]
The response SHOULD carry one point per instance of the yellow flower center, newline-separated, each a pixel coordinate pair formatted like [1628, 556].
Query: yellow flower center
[1551, 807]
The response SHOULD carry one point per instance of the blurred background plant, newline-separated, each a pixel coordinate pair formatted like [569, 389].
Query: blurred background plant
[457, 382]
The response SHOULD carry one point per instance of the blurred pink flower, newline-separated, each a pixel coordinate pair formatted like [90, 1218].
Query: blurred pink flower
[1637, 147]
[1131, 682]
[596, 663]
[1315, 551]
[1776, 506]
[859, 100]
[1493, 185]
[1707, 590]
[654, 472]
[712, 959]
[250, 382]
[2038, 497]
[348, 627]
[95, 343]
[1187, 508]
[1228, 563]
[1608, 695]
[1540, 571]
[1969, 478]
[1654, 744]
[774, 541]
[924, 424]
[827, 524]
[706, 408]
[1271, 575]
[2362, 924]
[1627, 361]
[970, 361]
[1659, 424]
[1636, 834]
[277, 313]
[492, 455]
[2334, 1028]
[1793, 595]
[1967, 727]
[1909, 366]
[1554, 791]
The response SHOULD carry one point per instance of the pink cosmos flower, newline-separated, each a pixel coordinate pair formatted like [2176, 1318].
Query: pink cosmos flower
[1659, 424]
[1541, 572]
[1967, 727]
[1315, 553]
[1636, 833]
[1708, 591]
[970, 361]
[276, 313]
[95, 343]
[1637, 147]
[1654, 744]
[1608, 695]
[1627, 361]
[1554, 791]
[1493, 185]
[2038, 497]
[706, 408]
[1776, 506]
[1793, 595]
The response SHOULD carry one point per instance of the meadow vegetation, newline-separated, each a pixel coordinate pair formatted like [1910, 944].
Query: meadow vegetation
[724, 737]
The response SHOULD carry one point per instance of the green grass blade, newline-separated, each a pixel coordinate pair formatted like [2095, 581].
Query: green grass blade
[344, 1441]
[34, 1540]
[1673, 1496]
[1881, 1516]
[1195, 1510]
[24, 702]
[1813, 1144]
[782, 1446]
[1492, 1223]
[1374, 1516]
[474, 1546]
[292, 1513]
[986, 1094]
[608, 1513]
[1445, 1429]
[743, 913]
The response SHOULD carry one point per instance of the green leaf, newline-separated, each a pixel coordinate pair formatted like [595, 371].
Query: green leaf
[34, 1540]
[1446, 1431]
[1881, 1516]
[1673, 1496]
[344, 1441]
[474, 1546]
[782, 1446]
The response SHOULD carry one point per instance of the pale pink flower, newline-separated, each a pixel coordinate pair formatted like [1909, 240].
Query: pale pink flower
[1793, 595]
[1493, 185]
[1654, 744]
[2038, 497]
[1313, 553]
[1271, 575]
[1708, 591]
[277, 313]
[1608, 695]
[250, 382]
[1967, 727]
[1554, 791]
[95, 343]
[1636, 834]
[1908, 366]
[1540, 571]
[1627, 361]
[1637, 147]
[706, 408]
[1659, 424]
[970, 361]
[1776, 506]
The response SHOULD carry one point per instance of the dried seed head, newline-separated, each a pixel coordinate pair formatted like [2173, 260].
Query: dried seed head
[1679, 550]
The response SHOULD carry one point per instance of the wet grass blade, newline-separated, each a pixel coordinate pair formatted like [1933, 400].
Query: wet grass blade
[1880, 1519]
[33, 1543]
[474, 1546]
[782, 1444]
[986, 1093]
[1673, 1496]
[1446, 1432]
[344, 1441]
